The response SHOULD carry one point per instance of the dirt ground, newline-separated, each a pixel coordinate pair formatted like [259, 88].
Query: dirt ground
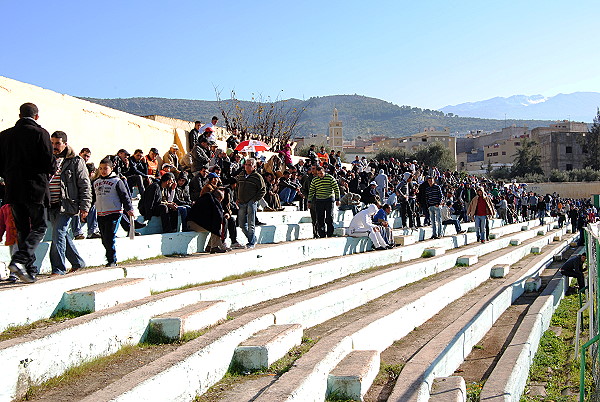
[98, 375]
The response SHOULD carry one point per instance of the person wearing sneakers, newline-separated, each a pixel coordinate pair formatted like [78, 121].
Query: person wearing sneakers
[26, 185]
[112, 198]
[481, 207]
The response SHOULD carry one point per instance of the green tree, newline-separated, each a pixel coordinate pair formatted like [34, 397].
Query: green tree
[591, 144]
[527, 159]
[436, 154]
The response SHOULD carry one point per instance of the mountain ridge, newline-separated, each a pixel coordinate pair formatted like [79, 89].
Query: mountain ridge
[360, 115]
[577, 106]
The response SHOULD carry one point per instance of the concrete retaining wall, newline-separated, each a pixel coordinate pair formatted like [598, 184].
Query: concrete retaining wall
[102, 129]
[567, 189]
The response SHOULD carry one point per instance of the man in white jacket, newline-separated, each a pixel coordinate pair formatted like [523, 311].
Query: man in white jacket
[363, 223]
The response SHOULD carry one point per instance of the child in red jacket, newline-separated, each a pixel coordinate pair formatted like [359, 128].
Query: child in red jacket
[7, 225]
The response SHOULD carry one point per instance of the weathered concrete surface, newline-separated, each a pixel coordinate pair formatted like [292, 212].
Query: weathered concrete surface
[175, 324]
[101, 296]
[508, 379]
[448, 389]
[353, 376]
[444, 353]
[267, 346]
[29, 303]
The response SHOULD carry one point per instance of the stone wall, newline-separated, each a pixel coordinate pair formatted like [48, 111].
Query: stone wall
[568, 189]
[87, 124]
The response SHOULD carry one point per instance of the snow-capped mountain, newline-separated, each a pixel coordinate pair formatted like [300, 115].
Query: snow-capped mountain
[578, 106]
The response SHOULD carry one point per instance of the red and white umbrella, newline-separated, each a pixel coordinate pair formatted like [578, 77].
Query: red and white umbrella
[252, 146]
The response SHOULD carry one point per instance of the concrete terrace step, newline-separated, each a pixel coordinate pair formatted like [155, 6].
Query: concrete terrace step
[31, 304]
[448, 389]
[153, 243]
[267, 346]
[306, 381]
[353, 376]
[44, 298]
[174, 324]
[137, 314]
[448, 349]
[509, 377]
[108, 294]
[323, 305]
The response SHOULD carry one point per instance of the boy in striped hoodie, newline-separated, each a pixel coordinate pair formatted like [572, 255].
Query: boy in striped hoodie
[112, 198]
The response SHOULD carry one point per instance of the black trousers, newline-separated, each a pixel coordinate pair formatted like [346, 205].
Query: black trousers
[574, 274]
[108, 225]
[232, 229]
[136, 181]
[168, 218]
[30, 222]
[324, 214]
[407, 214]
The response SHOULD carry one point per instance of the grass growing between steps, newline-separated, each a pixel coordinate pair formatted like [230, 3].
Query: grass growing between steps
[336, 396]
[225, 279]
[554, 367]
[243, 275]
[280, 366]
[474, 391]
[75, 373]
[236, 374]
[20, 330]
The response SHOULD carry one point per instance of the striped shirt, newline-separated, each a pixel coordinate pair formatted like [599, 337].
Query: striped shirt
[55, 182]
[323, 188]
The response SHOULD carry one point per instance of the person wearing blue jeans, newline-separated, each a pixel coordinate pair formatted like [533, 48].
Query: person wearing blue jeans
[287, 195]
[250, 189]
[92, 226]
[480, 208]
[112, 201]
[62, 244]
[247, 221]
[289, 186]
[70, 194]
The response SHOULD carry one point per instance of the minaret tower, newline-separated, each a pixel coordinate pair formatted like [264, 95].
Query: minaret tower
[335, 132]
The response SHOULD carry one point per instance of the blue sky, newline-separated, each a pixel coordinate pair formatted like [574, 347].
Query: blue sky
[420, 53]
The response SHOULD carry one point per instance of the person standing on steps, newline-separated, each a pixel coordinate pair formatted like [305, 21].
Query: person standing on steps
[324, 192]
[433, 199]
[251, 188]
[480, 208]
[112, 198]
[26, 162]
[70, 193]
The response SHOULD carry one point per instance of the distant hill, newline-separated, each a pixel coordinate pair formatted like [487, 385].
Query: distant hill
[361, 115]
[578, 106]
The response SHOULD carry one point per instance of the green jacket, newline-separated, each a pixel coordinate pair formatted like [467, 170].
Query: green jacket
[251, 188]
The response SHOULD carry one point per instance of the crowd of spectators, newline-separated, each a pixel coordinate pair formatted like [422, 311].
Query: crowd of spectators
[217, 190]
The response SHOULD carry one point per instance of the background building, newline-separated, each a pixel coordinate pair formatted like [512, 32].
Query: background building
[561, 145]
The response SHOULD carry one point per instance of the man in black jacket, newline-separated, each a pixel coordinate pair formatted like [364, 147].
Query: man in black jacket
[26, 161]
[573, 268]
[193, 135]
